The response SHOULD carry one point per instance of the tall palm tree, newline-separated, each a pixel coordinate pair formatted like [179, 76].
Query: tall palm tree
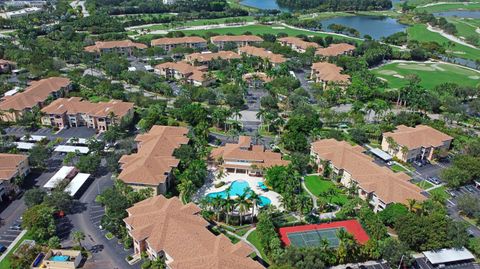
[255, 199]
[186, 188]
[216, 204]
[243, 205]
[78, 236]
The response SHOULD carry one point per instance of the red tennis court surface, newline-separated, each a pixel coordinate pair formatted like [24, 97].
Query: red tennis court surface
[351, 226]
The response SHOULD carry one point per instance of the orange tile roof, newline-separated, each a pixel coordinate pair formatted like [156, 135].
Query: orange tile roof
[178, 230]
[154, 159]
[417, 137]
[244, 151]
[262, 53]
[9, 164]
[207, 57]
[99, 45]
[236, 38]
[177, 40]
[388, 186]
[335, 49]
[259, 75]
[298, 42]
[191, 72]
[329, 72]
[36, 93]
[75, 105]
[3, 61]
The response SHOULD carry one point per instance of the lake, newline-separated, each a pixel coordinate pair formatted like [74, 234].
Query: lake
[262, 4]
[459, 13]
[374, 26]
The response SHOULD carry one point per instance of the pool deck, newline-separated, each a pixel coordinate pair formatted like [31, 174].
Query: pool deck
[228, 178]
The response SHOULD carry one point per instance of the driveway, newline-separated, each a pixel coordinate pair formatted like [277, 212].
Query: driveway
[105, 253]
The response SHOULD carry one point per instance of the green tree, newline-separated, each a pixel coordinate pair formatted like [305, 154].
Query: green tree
[40, 222]
[34, 197]
[38, 156]
[78, 237]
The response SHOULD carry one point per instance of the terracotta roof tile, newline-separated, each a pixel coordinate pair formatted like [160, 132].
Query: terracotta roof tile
[329, 72]
[207, 57]
[114, 44]
[154, 159]
[36, 93]
[75, 105]
[178, 230]
[389, 187]
[335, 49]
[298, 42]
[177, 40]
[262, 53]
[417, 137]
[9, 164]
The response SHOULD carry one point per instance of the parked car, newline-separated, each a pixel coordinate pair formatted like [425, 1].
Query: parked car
[470, 188]
[434, 180]
[452, 193]
[418, 163]
[390, 163]
[2, 248]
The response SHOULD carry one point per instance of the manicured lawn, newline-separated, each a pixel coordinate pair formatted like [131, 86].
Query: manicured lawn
[166, 26]
[441, 192]
[451, 6]
[424, 184]
[253, 238]
[5, 263]
[465, 27]
[431, 74]
[261, 29]
[319, 187]
[398, 168]
[419, 32]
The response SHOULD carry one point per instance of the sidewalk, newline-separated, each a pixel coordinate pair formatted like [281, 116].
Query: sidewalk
[12, 245]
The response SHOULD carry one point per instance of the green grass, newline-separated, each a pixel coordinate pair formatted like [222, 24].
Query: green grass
[465, 27]
[430, 74]
[441, 192]
[397, 168]
[447, 7]
[420, 33]
[319, 187]
[253, 238]
[5, 263]
[166, 26]
[424, 184]
[261, 29]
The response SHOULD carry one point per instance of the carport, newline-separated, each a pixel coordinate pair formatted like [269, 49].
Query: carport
[76, 184]
[381, 154]
[444, 257]
[66, 149]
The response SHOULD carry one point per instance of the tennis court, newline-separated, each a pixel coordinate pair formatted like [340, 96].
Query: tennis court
[314, 238]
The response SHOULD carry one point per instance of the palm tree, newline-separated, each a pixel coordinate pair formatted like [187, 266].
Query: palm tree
[392, 144]
[255, 199]
[413, 205]
[186, 188]
[78, 236]
[243, 205]
[404, 151]
[216, 204]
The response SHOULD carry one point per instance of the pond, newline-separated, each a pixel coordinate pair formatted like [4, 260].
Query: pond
[374, 26]
[475, 14]
[262, 4]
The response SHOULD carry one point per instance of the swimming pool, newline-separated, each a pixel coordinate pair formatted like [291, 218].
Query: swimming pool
[239, 187]
[59, 258]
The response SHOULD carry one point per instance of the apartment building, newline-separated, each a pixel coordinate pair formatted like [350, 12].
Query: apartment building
[169, 43]
[272, 58]
[256, 79]
[195, 75]
[245, 158]
[335, 50]
[168, 229]
[14, 106]
[378, 185]
[416, 143]
[297, 44]
[202, 58]
[74, 112]
[327, 74]
[124, 47]
[11, 166]
[20, 13]
[152, 165]
[238, 40]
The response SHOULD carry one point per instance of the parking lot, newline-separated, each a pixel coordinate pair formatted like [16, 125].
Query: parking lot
[422, 263]
[96, 213]
[7, 237]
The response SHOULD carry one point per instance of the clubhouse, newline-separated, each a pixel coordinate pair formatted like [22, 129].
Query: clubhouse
[14, 106]
[166, 228]
[152, 165]
[245, 158]
[416, 143]
[74, 112]
[378, 185]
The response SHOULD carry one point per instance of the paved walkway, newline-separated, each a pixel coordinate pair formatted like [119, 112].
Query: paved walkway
[244, 239]
[12, 245]
[434, 187]
[327, 215]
